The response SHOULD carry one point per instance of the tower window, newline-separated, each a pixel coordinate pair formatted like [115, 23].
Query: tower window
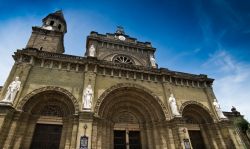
[51, 23]
[59, 26]
[41, 48]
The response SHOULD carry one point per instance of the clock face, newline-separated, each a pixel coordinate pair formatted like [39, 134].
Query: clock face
[121, 38]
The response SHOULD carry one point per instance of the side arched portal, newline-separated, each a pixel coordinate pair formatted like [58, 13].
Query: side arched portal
[200, 125]
[128, 118]
[48, 114]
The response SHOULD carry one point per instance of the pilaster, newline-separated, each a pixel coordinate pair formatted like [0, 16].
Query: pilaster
[6, 116]
[9, 142]
[75, 132]
[85, 128]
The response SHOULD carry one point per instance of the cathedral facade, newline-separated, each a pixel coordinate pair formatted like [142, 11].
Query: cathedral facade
[115, 97]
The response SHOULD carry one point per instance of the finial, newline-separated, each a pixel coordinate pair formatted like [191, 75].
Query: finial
[233, 109]
[235, 112]
[120, 30]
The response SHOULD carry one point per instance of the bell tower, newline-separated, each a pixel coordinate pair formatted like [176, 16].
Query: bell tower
[49, 37]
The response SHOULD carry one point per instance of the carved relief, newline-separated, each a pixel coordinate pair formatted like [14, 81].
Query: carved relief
[121, 85]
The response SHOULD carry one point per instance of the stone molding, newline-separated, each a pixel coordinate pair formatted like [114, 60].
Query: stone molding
[80, 64]
[49, 88]
[111, 38]
[129, 85]
[198, 104]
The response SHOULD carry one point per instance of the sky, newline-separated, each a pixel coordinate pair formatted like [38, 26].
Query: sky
[195, 36]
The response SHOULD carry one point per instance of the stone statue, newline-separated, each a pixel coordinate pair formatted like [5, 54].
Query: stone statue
[92, 51]
[173, 106]
[152, 60]
[13, 88]
[87, 97]
[218, 110]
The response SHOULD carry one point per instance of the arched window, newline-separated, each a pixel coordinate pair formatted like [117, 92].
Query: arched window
[59, 27]
[51, 23]
[41, 48]
[123, 59]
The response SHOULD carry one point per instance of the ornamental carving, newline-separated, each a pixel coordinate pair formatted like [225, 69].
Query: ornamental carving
[52, 110]
[122, 85]
[49, 88]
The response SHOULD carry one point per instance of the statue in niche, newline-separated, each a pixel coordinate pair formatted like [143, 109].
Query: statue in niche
[92, 51]
[87, 97]
[153, 62]
[218, 110]
[173, 106]
[12, 90]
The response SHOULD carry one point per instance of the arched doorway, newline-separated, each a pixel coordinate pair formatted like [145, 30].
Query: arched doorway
[197, 121]
[49, 123]
[128, 118]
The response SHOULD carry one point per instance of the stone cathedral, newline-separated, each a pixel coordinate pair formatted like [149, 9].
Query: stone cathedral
[114, 97]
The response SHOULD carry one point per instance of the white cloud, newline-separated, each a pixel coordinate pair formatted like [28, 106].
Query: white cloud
[232, 86]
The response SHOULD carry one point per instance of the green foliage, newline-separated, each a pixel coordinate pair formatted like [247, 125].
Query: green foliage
[242, 124]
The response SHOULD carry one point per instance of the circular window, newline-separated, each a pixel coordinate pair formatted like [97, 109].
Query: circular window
[123, 59]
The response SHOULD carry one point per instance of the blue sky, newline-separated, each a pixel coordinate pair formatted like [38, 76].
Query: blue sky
[197, 36]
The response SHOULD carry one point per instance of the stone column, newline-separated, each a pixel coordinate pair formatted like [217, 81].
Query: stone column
[94, 135]
[211, 136]
[143, 136]
[157, 136]
[99, 134]
[150, 136]
[20, 133]
[163, 136]
[171, 143]
[104, 135]
[219, 137]
[68, 131]
[109, 132]
[73, 143]
[6, 115]
[31, 125]
[177, 127]
[205, 136]
[12, 131]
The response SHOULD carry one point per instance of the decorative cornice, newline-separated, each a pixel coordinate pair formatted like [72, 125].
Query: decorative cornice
[111, 38]
[77, 63]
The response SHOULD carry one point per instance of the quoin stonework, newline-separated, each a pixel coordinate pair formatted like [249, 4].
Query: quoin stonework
[114, 97]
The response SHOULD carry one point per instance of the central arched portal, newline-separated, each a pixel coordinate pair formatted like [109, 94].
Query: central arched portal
[128, 119]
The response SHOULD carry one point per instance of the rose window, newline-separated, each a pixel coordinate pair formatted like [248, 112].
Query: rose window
[123, 59]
